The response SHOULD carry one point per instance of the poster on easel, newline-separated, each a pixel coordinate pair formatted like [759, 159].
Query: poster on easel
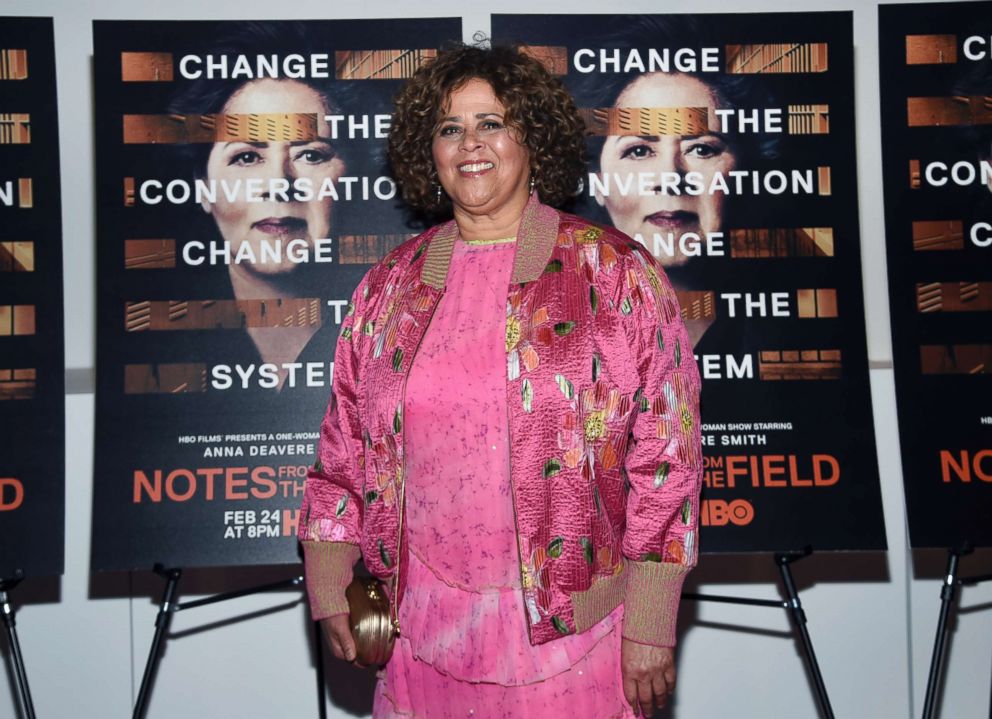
[936, 65]
[725, 144]
[242, 193]
[32, 363]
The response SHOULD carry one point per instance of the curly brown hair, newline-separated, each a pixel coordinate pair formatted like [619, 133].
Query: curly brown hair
[538, 108]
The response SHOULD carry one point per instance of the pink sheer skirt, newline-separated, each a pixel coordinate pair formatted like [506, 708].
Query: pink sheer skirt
[473, 659]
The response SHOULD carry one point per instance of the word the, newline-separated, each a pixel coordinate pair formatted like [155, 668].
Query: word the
[767, 120]
[360, 126]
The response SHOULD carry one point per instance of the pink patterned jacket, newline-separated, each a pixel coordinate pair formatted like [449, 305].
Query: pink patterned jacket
[603, 404]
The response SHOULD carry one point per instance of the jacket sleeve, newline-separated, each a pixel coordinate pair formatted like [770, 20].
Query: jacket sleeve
[664, 462]
[331, 514]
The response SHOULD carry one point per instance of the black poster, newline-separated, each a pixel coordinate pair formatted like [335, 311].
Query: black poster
[936, 65]
[725, 144]
[32, 366]
[242, 194]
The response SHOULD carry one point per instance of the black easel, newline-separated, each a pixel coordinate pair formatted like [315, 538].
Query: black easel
[947, 596]
[10, 623]
[793, 605]
[318, 648]
[169, 606]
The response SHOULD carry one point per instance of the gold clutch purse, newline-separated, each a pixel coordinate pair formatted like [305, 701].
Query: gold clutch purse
[368, 615]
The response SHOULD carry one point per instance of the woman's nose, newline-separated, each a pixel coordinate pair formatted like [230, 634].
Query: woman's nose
[470, 140]
[668, 161]
[279, 167]
[288, 167]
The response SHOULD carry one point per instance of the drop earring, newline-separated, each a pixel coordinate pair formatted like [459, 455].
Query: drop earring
[436, 181]
[532, 183]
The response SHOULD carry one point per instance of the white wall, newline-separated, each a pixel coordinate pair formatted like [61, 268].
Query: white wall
[872, 617]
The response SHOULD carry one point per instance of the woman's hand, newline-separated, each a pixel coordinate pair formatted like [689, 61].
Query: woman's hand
[337, 632]
[648, 676]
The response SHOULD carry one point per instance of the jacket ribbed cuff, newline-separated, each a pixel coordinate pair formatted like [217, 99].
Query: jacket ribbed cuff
[328, 568]
[651, 602]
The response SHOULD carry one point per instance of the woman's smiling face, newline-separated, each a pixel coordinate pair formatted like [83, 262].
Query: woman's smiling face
[274, 217]
[480, 163]
[626, 155]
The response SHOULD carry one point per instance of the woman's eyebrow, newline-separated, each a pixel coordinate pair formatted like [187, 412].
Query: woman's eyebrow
[297, 143]
[477, 116]
[718, 135]
[294, 143]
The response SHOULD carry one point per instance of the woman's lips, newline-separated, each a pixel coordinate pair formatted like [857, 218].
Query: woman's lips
[672, 219]
[473, 169]
[280, 225]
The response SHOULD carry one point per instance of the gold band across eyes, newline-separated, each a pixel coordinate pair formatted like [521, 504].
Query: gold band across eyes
[647, 121]
[254, 127]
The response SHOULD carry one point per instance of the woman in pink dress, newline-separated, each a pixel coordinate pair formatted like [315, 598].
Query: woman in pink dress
[512, 443]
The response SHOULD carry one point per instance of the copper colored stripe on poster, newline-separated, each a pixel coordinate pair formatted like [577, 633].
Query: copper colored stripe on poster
[379, 64]
[149, 254]
[649, 121]
[16, 257]
[554, 58]
[938, 235]
[15, 128]
[18, 383]
[156, 315]
[931, 49]
[25, 193]
[809, 119]
[17, 320]
[799, 364]
[956, 359]
[184, 129]
[948, 111]
[146, 67]
[367, 249]
[820, 302]
[787, 242]
[914, 174]
[954, 296]
[770, 58]
[13, 64]
[165, 378]
[823, 185]
[697, 304]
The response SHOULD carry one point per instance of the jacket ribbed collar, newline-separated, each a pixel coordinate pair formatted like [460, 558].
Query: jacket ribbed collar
[535, 242]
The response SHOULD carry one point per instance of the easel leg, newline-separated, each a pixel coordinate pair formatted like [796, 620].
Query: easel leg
[947, 592]
[161, 628]
[318, 648]
[10, 623]
[795, 608]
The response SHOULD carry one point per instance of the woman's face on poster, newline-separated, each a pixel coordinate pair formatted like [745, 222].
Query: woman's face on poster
[268, 217]
[626, 158]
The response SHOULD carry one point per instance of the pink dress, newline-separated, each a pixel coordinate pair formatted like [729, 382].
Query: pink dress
[463, 649]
